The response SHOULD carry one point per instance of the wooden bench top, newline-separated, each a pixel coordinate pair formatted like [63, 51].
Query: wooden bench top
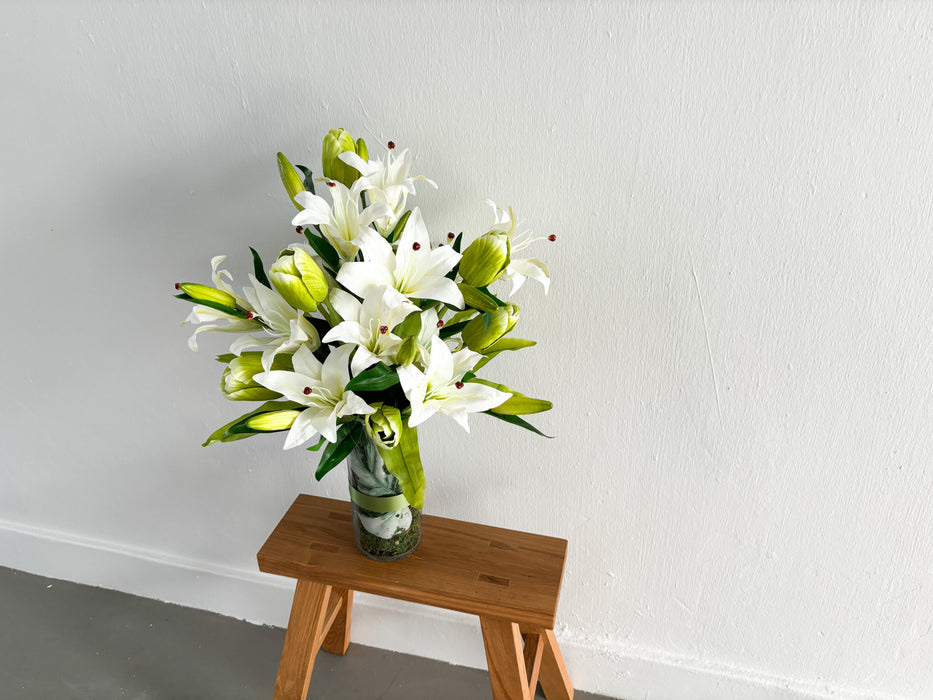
[471, 568]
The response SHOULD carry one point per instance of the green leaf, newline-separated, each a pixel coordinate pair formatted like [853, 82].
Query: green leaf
[309, 178]
[259, 269]
[452, 275]
[493, 297]
[487, 320]
[324, 248]
[452, 329]
[348, 435]
[404, 463]
[315, 448]
[376, 378]
[399, 227]
[515, 420]
[239, 313]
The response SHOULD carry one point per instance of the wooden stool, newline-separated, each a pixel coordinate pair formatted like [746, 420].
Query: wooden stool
[510, 579]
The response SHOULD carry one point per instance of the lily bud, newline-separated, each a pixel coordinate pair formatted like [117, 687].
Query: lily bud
[201, 292]
[291, 179]
[478, 335]
[299, 280]
[384, 426]
[408, 351]
[361, 149]
[237, 380]
[517, 404]
[475, 299]
[273, 421]
[410, 326]
[336, 142]
[485, 259]
[521, 405]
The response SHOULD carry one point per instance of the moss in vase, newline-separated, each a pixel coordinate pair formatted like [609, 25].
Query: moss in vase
[401, 543]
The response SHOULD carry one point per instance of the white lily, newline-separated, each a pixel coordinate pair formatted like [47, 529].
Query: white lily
[285, 329]
[343, 224]
[320, 387]
[429, 331]
[387, 182]
[416, 270]
[441, 389]
[223, 322]
[368, 325]
[519, 270]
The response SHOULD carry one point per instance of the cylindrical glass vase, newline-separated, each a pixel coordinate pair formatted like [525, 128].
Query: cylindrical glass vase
[385, 526]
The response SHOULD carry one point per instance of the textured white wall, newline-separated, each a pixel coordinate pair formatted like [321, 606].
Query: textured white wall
[738, 339]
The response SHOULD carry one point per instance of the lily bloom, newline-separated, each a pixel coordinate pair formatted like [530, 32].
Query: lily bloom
[368, 325]
[441, 389]
[416, 270]
[319, 387]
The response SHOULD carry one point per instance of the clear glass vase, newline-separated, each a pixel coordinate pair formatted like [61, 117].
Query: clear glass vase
[385, 526]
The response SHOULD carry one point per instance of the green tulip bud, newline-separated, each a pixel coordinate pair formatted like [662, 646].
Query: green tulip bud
[486, 329]
[201, 292]
[291, 179]
[299, 280]
[384, 426]
[485, 259]
[272, 421]
[336, 142]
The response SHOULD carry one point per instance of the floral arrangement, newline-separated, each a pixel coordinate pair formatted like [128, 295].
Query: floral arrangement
[368, 326]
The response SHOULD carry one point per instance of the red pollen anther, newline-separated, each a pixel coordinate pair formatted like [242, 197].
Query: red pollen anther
[383, 329]
[440, 324]
[308, 390]
[416, 246]
[250, 314]
[331, 184]
[178, 285]
[451, 236]
[459, 385]
[552, 238]
[299, 229]
[391, 145]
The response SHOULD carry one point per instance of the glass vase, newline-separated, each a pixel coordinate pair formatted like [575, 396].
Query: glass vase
[385, 526]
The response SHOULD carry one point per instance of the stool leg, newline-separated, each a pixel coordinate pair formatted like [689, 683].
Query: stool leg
[505, 658]
[305, 627]
[554, 679]
[338, 637]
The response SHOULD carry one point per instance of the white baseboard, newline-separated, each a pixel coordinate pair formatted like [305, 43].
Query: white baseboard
[599, 666]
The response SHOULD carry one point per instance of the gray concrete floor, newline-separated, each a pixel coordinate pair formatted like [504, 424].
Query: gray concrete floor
[64, 641]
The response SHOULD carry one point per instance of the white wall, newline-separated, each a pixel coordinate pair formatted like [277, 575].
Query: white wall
[738, 339]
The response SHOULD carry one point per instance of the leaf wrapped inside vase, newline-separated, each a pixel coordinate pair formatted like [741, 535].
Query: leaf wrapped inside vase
[404, 463]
